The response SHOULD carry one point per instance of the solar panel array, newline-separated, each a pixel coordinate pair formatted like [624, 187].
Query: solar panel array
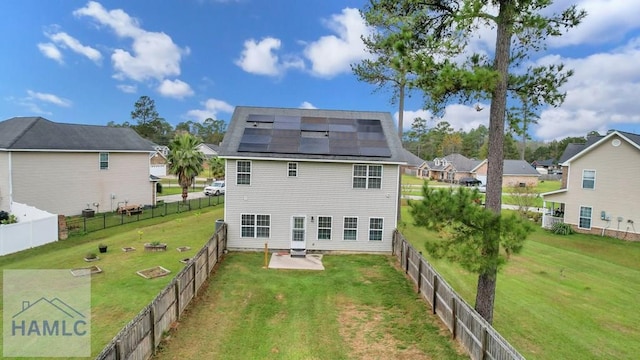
[314, 136]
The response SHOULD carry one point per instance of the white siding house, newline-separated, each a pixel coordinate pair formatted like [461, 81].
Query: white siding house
[63, 168]
[304, 179]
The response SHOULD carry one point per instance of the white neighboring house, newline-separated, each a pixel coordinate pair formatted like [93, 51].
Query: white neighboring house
[310, 179]
[63, 168]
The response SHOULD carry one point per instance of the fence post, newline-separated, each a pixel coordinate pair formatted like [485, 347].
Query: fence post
[483, 342]
[152, 318]
[119, 354]
[177, 291]
[104, 220]
[434, 296]
[419, 279]
[193, 272]
[406, 258]
[453, 317]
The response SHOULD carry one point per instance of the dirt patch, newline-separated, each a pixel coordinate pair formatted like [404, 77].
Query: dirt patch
[363, 329]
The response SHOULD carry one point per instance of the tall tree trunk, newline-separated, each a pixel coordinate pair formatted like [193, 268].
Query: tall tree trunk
[185, 193]
[401, 86]
[485, 294]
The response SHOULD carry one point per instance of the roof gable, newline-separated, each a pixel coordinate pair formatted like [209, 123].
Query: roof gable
[594, 142]
[518, 167]
[37, 133]
[312, 134]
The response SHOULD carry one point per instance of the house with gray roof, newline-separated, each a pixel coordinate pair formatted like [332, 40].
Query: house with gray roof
[599, 190]
[450, 168]
[63, 168]
[311, 180]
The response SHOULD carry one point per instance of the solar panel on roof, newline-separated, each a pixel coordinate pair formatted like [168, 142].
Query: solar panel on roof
[314, 136]
[261, 118]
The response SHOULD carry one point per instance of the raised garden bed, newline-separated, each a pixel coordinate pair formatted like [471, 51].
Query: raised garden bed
[153, 272]
[185, 260]
[184, 248]
[86, 271]
[92, 259]
[128, 249]
[155, 247]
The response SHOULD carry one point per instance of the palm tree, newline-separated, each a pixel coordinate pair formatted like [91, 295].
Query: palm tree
[216, 167]
[185, 160]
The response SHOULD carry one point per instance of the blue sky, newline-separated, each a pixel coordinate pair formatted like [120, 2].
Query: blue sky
[88, 62]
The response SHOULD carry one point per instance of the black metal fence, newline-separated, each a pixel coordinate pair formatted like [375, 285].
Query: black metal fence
[85, 224]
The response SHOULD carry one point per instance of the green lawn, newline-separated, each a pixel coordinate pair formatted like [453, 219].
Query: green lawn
[118, 294]
[572, 297]
[360, 307]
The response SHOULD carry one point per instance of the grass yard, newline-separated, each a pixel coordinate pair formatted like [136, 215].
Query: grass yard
[563, 297]
[360, 307]
[118, 294]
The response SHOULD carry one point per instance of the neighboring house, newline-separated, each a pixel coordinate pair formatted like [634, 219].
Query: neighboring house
[600, 192]
[514, 173]
[63, 168]
[310, 179]
[209, 150]
[413, 163]
[547, 166]
[158, 163]
[450, 168]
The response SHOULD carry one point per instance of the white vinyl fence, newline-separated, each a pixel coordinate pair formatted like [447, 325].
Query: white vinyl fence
[34, 228]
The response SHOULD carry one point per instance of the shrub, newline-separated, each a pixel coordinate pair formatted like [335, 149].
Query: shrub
[562, 229]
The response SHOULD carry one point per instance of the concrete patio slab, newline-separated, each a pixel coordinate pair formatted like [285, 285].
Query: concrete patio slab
[285, 261]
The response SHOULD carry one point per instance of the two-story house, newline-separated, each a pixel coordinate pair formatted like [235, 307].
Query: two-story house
[65, 168]
[599, 192]
[309, 179]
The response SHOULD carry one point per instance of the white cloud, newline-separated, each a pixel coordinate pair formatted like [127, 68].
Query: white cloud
[307, 105]
[332, 54]
[601, 95]
[65, 40]
[259, 57]
[129, 89]
[211, 108]
[51, 51]
[49, 98]
[607, 21]
[175, 88]
[154, 55]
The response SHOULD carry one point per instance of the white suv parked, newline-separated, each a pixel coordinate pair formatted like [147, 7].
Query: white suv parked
[216, 188]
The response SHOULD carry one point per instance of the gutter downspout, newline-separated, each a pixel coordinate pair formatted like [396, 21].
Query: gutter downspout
[10, 183]
[606, 227]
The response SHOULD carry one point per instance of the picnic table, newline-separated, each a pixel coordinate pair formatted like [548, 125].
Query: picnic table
[130, 209]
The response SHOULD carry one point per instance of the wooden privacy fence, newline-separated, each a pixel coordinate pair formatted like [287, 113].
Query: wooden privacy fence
[139, 339]
[475, 334]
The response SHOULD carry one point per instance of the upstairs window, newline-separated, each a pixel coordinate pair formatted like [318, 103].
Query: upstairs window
[243, 172]
[104, 161]
[292, 169]
[367, 176]
[588, 179]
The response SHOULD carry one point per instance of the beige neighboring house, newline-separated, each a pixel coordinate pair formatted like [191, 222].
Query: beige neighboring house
[311, 180]
[600, 191]
[514, 173]
[450, 168]
[65, 168]
[209, 150]
[158, 163]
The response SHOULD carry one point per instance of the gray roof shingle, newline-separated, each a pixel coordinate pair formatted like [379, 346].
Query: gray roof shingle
[518, 167]
[37, 133]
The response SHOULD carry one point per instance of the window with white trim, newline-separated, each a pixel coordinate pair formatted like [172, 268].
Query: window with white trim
[588, 179]
[255, 226]
[243, 172]
[367, 176]
[324, 227]
[292, 169]
[375, 229]
[104, 161]
[585, 217]
[350, 228]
